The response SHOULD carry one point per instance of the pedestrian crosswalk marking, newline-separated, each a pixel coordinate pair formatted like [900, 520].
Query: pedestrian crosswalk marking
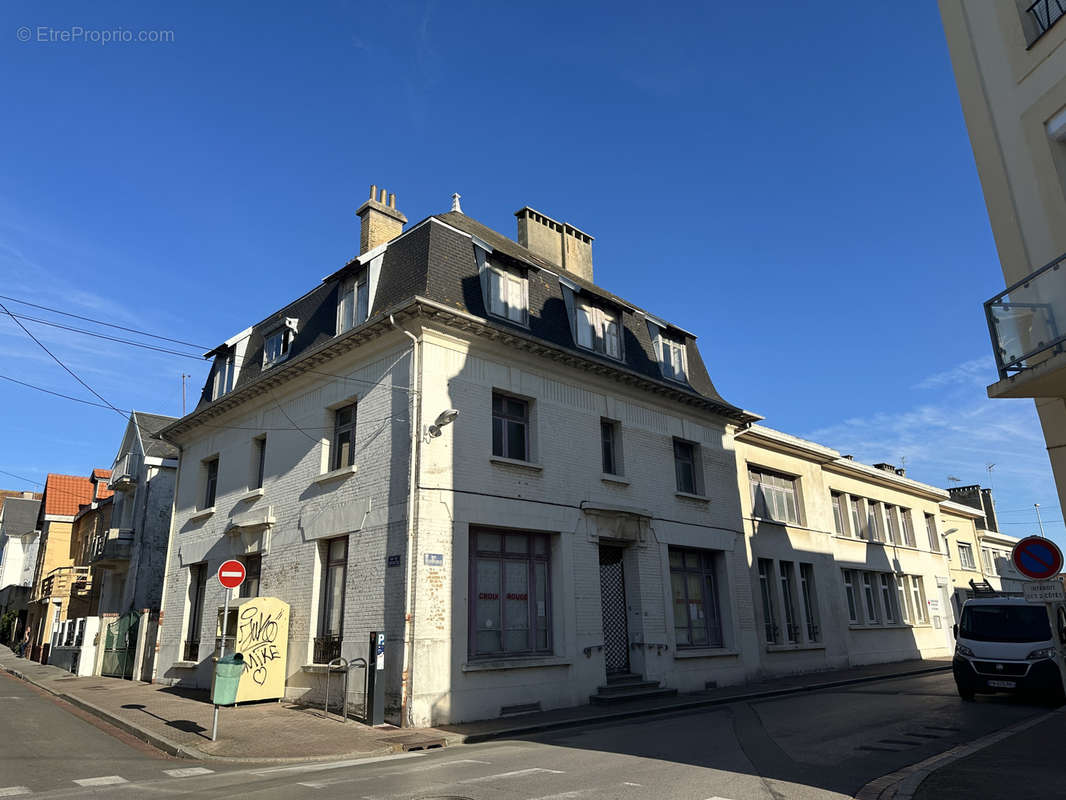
[515, 774]
[106, 780]
[14, 791]
[188, 772]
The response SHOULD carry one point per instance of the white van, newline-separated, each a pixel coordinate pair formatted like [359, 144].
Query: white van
[1004, 644]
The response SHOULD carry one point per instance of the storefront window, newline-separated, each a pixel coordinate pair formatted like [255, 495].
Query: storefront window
[510, 588]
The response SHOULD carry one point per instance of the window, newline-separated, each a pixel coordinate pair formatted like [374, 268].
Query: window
[766, 588]
[838, 514]
[986, 557]
[343, 452]
[672, 358]
[788, 595]
[508, 295]
[872, 615]
[849, 594]
[875, 526]
[888, 602]
[774, 496]
[225, 373]
[197, 591]
[1040, 16]
[510, 586]
[908, 528]
[250, 587]
[686, 467]
[353, 303]
[892, 517]
[930, 530]
[210, 481]
[612, 462]
[918, 594]
[697, 622]
[259, 445]
[510, 427]
[598, 330]
[966, 556]
[331, 605]
[276, 345]
[856, 518]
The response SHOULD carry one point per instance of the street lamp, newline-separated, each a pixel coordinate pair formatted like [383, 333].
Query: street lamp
[443, 419]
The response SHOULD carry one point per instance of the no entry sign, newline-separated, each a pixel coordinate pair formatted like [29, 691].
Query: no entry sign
[1037, 558]
[231, 574]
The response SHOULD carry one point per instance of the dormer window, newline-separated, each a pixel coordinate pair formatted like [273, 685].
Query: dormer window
[672, 358]
[353, 303]
[508, 294]
[598, 330]
[225, 374]
[276, 345]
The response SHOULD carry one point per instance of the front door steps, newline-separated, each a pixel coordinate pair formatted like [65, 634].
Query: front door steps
[628, 686]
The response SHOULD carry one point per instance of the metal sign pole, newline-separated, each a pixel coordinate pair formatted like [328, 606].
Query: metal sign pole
[222, 652]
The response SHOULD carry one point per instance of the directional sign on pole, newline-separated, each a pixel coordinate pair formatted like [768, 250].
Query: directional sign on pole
[1037, 558]
[231, 574]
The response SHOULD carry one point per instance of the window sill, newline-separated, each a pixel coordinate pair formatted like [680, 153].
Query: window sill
[501, 318]
[336, 474]
[890, 627]
[704, 652]
[517, 663]
[786, 648]
[185, 664]
[516, 462]
[252, 495]
[700, 498]
[619, 479]
[203, 513]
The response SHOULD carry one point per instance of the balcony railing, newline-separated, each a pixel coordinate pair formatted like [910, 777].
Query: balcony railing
[1045, 13]
[113, 545]
[1026, 321]
[124, 473]
[64, 582]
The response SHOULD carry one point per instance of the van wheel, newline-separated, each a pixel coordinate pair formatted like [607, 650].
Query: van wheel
[966, 694]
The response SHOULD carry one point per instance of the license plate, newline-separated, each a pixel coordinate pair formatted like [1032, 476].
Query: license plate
[1003, 684]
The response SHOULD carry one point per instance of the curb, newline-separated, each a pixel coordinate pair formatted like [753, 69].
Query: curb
[904, 783]
[520, 730]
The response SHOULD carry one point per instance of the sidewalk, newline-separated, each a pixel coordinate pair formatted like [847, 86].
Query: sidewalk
[179, 721]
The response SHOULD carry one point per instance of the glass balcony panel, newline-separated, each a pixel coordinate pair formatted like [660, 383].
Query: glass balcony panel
[1027, 322]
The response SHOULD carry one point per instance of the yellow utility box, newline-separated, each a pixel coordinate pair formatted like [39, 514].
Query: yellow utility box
[258, 629]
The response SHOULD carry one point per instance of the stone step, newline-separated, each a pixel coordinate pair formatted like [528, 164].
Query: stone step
[624, 688]
[636, 694]
[624, 677]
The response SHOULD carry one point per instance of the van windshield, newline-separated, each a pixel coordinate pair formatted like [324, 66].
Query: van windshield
[1005, 624]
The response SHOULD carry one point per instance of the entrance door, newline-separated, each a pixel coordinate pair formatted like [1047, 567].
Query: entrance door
[120, 646]
[613, 604]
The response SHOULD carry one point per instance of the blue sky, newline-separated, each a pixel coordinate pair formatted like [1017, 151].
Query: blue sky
[768, 177]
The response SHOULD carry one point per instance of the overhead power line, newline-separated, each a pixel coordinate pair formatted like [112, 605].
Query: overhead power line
[118, 339]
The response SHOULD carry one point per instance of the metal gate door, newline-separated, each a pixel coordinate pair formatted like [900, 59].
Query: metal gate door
[613, 605]
[120, 646]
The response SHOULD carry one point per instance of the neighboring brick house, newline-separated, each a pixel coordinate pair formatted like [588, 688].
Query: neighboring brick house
[529, 484]
[57, 577]
[128, 556]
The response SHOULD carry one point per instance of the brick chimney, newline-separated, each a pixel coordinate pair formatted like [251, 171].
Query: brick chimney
[380, 221]
[558, 242]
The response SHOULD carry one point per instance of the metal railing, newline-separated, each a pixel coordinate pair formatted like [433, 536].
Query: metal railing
[1045, 13]
[124, 473]
[1023, 320]
[112, 545]
[191, 652]
[327, 648]
[64, 582]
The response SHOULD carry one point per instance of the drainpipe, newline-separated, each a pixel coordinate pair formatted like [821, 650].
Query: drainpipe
[412, 486]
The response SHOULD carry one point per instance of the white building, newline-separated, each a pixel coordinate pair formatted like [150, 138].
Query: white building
[575, 532]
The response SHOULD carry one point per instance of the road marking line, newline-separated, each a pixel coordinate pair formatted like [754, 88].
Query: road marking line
[13, 791]
[351, 762]
[716, 797]
[106, 780]
[515, 774]
[188, 772]
[407, 771]
[630, 783]
[564, 795]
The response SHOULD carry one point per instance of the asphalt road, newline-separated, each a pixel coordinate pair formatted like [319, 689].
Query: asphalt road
[823, 744]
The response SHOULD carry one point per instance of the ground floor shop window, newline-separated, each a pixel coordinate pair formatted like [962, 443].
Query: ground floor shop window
[510, 604]
[886, 599]
[694, 584]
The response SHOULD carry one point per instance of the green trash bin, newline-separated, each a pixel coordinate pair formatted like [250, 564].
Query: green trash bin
[227, 676]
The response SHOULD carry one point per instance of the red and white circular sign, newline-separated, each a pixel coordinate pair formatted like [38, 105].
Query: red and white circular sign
[231, 574]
